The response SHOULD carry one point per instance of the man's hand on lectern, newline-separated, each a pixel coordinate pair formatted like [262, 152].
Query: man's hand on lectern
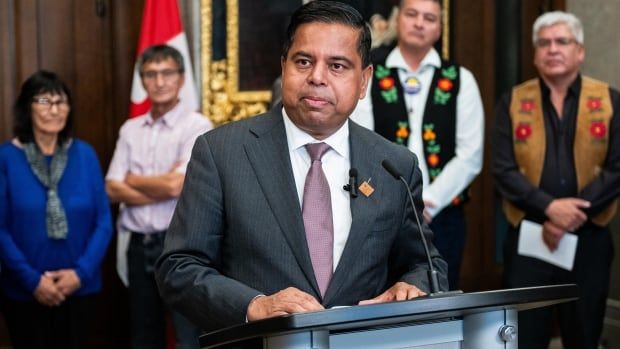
[287, 301]
[399, 292]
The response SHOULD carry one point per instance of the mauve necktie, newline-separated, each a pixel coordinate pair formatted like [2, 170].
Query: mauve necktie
[317, 213]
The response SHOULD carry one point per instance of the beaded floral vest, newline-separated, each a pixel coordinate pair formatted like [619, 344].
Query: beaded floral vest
[591, 138]
[439, 120]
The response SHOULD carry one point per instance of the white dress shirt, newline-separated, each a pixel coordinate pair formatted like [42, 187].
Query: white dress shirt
[336, 164]
[461, 170]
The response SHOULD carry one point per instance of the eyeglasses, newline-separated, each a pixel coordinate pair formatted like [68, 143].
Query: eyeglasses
[166, 74]
[46, 104]
[561, 42]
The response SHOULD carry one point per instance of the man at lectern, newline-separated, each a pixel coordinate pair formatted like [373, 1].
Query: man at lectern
[291, 211]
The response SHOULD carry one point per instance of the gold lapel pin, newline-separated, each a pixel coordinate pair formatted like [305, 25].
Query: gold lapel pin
[365, 188]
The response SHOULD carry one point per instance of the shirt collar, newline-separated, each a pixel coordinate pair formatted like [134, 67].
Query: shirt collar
[396, 60]
[574, 89]
[168, 119]
[297, 138]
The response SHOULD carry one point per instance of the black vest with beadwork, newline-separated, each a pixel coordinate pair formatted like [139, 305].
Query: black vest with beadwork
[439, 120]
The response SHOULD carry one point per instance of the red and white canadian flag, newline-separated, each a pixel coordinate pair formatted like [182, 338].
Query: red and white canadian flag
[161, 24]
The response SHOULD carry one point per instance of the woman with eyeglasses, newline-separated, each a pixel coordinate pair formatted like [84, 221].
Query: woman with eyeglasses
[55, 222]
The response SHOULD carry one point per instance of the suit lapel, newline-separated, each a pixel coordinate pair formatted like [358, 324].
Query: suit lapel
[269, 157]
[363, 209]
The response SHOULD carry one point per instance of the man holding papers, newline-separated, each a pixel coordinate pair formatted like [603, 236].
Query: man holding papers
[556, 160]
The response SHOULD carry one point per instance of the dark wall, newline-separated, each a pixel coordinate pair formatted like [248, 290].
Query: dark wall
[472, 37]
[91, 44]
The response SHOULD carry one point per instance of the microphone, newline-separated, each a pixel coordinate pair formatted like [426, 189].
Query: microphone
[432, 273]
[352, 186]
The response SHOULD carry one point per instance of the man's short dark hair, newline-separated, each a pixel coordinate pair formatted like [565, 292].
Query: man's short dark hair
[38, 83]
[330, 12]
[439, 2]
[158, 53]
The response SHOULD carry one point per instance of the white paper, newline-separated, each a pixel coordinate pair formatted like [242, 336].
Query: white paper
[531, 244]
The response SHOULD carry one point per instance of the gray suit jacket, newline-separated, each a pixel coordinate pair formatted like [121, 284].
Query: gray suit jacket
[238, 231]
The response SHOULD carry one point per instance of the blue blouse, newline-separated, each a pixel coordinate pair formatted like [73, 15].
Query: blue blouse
[25, 250]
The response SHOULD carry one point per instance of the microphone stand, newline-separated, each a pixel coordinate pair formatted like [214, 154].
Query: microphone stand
[432, 273]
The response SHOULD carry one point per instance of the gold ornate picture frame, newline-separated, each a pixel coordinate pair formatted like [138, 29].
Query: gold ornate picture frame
[223, 99]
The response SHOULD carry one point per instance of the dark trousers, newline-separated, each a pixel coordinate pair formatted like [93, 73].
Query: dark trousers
[32, 325]
[449, 237]
[148, 311]
[581, 322]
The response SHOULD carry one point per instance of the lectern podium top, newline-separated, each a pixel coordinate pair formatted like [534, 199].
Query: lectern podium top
[420, 309]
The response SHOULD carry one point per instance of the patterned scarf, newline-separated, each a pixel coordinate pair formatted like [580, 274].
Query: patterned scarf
[50, 175]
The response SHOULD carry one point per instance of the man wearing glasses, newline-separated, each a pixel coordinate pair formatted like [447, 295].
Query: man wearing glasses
[556, 161]
[146, 175]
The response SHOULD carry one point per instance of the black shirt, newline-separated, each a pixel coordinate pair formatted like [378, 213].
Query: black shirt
[558, 178]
